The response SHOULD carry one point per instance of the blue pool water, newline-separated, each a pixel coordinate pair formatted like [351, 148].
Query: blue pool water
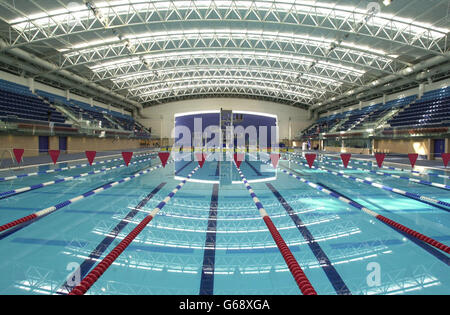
[210, 238]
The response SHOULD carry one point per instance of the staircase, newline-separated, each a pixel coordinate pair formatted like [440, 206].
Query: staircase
[338, 125]
[381, 122]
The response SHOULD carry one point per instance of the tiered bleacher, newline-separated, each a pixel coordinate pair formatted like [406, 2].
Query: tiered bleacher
[98, 117]
[432, 110]
[358, 119]
[381, 110]
[17, 103]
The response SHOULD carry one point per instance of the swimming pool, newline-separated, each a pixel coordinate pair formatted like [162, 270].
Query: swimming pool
[210, 238]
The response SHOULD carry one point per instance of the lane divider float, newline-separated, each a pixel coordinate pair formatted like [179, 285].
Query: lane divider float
[44, 212]
[372, 213]
[393, 168]
[424, 199]
[14, 192]
[414, 180]
[106, 262]
[297, 272]
[3, 179]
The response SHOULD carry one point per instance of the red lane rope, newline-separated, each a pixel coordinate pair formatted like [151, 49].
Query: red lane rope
[17, 222]
[106, 262]
[100, 269]
[299, 276]
[417, 235]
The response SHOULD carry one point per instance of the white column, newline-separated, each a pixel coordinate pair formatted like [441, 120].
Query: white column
[290, 130]
[421, 90]
[31, 84]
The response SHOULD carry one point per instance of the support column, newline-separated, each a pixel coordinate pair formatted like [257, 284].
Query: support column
[430, 145]
[31, 84]
[421, 90]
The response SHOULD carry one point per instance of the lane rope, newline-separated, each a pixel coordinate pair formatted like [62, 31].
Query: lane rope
[3, 179]
[414, 180]
[372, 213]
[106, 262]
[65, 179]
[44, 212]
[415, 196]
[393, 168]
[302, 281]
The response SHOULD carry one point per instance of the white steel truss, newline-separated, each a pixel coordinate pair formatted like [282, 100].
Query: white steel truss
[295, 51]
[263, 41]
[119, 13]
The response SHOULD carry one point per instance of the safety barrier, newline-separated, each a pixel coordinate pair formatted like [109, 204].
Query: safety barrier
[98, 271]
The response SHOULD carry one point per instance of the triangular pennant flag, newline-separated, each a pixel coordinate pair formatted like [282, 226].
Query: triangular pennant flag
[275, 158]
[164, 157]
[345, 157]
[127, 157]
[18, 153]
[413, 158]
[380, 158]
[201, 158]
[91, 156]
[238, 158]
[445, 158]
[54, 154]
[310, 157]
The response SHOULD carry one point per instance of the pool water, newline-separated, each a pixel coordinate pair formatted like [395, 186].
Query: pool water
[210, 238]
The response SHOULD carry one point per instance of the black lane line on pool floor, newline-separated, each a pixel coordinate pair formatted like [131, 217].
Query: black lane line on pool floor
[218, 169]
[181, 169]
[21, 226]
[253, 168]
[86, 266]
[209, 256]
[431, 250]
[336, 280]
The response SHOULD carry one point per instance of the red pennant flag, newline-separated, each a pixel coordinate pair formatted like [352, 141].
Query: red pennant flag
[310, 157]
[54, 155]
[164, 157]
[380, 159]
[238, 158]
[445, 158]
[275, 158]
[413, 158]
[201, 158]
[345, 157]
[127, 157]
[91, 156]
[18, 153]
